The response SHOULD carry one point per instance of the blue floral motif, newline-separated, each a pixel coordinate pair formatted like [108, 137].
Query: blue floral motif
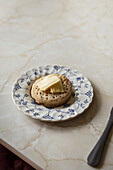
[39, 109]
[81, 83]
[17, 86]
[82, 78]
[33, 102]
[58, 110]
[25, 103]
[75, 72]
[82, 105]
[86, 85]
[31, 110]
[61, 116]
[64, 74]
[35, 114]
[36, 73]
[28, 83]
[27, 111]
[26, 76]
[26, 95]
[22, 80]
[67, 69]
[47, 117]
[71, 110]
[40, 71]
[57, 67]
[22, 102]
[46, 74]
[79, 86]
[89, 93]
[78, 100]
[86, 101]
[46, 68]
[17, 95]
[78, 78]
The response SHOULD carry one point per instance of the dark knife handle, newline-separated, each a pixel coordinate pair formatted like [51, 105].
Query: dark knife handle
[94, 157]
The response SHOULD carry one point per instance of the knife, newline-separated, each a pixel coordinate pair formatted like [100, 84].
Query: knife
[94, 157]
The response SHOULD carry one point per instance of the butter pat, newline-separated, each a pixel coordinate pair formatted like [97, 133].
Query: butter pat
[57, 88]
[48, 81]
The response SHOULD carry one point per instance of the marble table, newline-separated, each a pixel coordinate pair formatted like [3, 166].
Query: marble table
[74, 33]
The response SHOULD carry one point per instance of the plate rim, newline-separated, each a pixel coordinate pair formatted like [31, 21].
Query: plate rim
[51, 120]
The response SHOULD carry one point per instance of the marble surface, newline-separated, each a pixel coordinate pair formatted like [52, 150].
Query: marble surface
[77, 34]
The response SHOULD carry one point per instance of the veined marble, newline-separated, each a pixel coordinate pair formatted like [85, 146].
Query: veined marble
[77, 34]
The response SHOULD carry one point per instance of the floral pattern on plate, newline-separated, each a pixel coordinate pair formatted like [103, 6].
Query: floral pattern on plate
[82, 94]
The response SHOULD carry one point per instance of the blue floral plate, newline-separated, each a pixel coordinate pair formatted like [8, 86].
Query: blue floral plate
[82, 94]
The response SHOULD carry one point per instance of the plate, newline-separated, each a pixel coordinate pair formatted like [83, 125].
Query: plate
[82, 94]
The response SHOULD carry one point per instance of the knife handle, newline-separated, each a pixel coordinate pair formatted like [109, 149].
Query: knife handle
[94, 157]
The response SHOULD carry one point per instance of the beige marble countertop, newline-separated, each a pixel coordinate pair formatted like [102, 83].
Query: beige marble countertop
[74, 33]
